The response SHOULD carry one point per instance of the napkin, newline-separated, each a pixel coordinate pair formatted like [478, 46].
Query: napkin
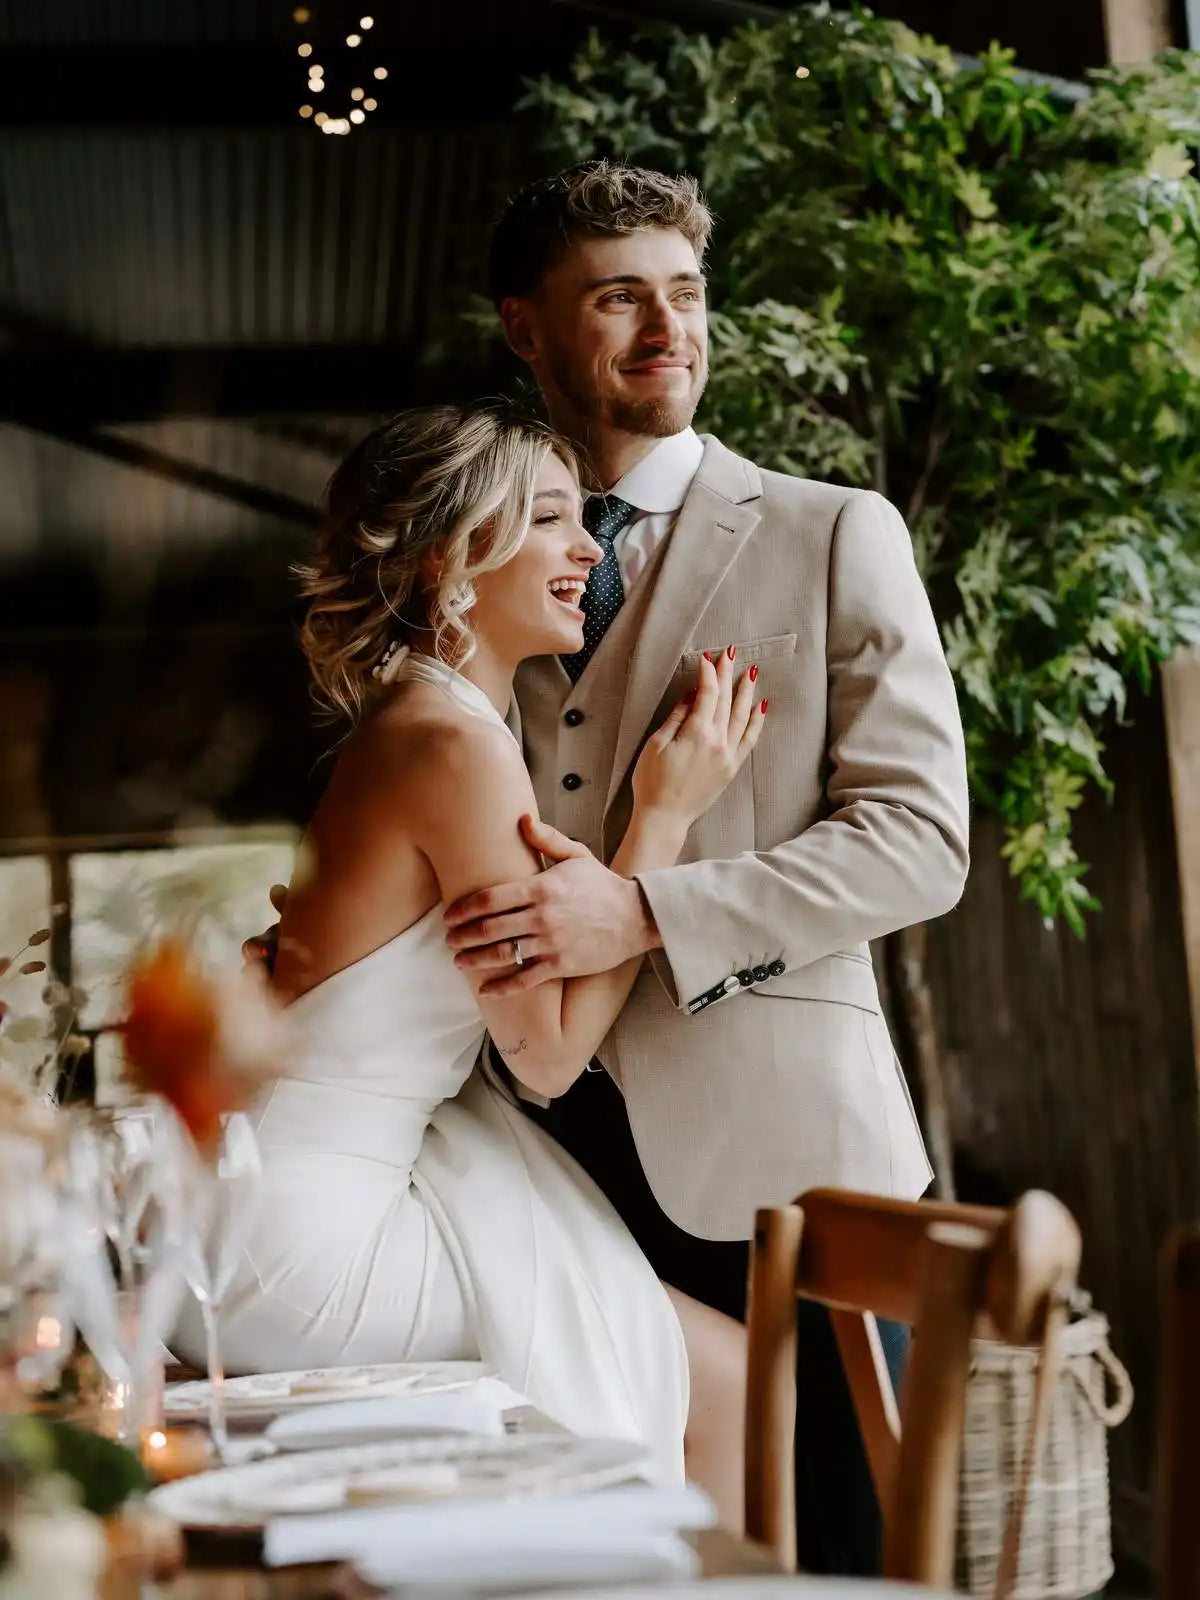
[522, 1564]
[389, 1417]
[621, 1517]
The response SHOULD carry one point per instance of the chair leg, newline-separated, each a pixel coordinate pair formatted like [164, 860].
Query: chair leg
[920, 1522]
[771, 1383]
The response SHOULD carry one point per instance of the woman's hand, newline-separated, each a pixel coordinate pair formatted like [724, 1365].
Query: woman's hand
[698, 750]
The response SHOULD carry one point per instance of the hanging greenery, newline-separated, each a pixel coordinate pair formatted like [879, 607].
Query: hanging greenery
[940, 281]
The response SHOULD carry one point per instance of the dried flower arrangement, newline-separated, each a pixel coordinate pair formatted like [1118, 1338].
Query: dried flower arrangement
[40, 1047]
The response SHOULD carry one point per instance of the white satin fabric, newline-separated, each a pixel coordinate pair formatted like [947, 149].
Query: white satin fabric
[411, 1211]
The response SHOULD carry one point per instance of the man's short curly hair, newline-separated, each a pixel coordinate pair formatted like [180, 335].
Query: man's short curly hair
[596, 199]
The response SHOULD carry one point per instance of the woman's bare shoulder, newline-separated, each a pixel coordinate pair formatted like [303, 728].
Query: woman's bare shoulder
[420, 753]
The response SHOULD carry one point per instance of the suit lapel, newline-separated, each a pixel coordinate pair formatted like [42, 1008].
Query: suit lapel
[718, 516]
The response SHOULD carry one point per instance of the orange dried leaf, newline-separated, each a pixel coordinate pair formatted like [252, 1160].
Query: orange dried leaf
[170, 1034]
[204, 1044]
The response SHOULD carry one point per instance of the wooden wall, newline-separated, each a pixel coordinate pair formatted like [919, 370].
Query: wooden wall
[1070, 1065]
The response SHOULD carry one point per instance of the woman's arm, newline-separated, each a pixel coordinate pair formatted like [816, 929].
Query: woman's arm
[473, 840]
[469, 830]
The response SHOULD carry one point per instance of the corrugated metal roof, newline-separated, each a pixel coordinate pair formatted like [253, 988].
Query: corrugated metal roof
[271, 236]
[58, 496]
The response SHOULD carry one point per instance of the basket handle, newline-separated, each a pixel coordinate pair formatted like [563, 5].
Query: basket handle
[1110, 1413]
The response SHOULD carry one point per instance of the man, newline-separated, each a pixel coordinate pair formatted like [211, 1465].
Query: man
[751, 1061]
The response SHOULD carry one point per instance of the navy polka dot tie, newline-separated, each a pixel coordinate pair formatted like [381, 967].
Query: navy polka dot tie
[603, 516]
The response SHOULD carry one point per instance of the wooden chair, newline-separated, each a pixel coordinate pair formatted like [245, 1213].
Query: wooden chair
[1179, 1420]
[949, 1272]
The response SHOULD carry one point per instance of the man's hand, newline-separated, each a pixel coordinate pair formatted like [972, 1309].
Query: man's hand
[575, 918]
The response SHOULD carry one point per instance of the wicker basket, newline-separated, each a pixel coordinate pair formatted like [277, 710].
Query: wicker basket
[1066, 1547]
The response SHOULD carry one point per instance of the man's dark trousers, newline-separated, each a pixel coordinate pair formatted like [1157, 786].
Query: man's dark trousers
[837, 1517]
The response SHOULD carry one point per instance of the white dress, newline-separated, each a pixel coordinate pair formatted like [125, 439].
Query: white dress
[411, 1211]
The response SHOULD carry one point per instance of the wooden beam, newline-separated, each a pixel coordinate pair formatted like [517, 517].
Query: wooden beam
[1135, 30]
[1181, 704]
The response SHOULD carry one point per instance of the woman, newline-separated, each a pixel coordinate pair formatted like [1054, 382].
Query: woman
[410, 1210]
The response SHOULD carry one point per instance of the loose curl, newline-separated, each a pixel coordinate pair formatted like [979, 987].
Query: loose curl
[442, 482]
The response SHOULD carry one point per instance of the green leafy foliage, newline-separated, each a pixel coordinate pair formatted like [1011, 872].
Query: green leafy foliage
[934, 279]
[104, 1473]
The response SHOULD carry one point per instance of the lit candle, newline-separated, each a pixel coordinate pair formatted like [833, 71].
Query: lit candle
[169, 1453]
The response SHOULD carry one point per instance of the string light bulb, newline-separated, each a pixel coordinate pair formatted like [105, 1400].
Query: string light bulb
[360, 102]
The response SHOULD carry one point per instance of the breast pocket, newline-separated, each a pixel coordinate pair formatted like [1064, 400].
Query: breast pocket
[751, 652]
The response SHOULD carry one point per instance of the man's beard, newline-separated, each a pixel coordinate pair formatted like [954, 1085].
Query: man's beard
[645, 419]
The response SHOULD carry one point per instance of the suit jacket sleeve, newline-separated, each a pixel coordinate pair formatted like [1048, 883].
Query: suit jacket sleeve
[893, 848]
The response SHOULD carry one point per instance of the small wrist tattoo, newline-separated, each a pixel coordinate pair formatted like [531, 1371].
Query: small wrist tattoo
[512, 1049]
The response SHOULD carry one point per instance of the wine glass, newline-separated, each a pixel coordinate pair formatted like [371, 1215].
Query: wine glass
[225, 1195]
[125, 1232]
[36, 1331]
[112, 1156]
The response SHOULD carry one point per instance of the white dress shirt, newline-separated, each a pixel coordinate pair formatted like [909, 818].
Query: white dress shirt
[657, 488]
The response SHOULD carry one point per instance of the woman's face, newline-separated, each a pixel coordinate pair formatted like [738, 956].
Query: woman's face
[530, 606]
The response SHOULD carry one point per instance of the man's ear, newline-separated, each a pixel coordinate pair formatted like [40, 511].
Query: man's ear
[518, 327]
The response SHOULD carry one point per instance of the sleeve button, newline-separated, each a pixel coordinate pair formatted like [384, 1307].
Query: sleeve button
[761, 974]
[777, 969]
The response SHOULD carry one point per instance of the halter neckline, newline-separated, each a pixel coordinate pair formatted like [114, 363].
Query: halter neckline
[413, 667]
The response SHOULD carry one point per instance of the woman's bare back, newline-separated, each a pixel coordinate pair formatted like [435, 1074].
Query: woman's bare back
[361, 876]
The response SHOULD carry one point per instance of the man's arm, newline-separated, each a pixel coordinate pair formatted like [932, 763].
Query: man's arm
[894, 848]
[892, 851]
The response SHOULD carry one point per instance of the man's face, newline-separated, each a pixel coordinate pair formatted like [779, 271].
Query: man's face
[616, 333]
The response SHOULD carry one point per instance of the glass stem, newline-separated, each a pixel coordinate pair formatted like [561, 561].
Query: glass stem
[216, 1378]
[129, 1311]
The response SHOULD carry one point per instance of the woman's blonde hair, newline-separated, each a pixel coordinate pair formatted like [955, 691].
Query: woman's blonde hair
[443, 482]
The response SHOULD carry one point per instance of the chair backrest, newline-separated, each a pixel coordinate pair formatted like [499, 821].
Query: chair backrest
[950, 1272]
[1179, 1420]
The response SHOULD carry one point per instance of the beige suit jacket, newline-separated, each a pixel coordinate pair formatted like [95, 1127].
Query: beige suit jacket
[752, 1052]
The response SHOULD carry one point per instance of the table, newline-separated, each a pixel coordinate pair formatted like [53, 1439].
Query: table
[212, 1574]
[224, 1567]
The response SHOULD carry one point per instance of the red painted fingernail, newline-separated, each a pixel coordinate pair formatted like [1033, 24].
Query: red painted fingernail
[731, 652]
[764, 708]
[707, 657]
[754, 674]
